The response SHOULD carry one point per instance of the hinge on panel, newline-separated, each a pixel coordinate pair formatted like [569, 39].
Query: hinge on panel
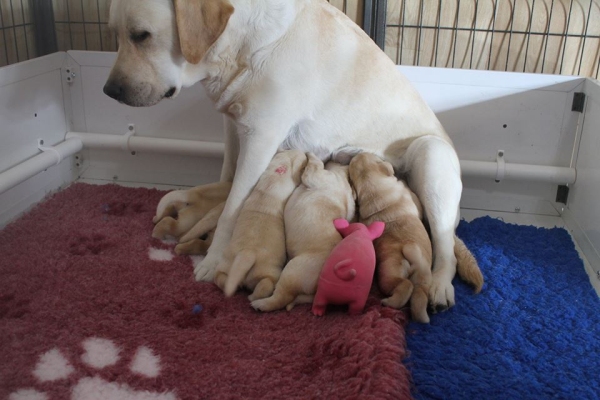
[578, 102]
[562, 194]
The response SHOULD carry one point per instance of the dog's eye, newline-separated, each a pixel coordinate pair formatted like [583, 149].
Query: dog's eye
[138, 37]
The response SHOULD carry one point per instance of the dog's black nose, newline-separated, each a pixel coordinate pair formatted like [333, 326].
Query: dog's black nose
[113, 90]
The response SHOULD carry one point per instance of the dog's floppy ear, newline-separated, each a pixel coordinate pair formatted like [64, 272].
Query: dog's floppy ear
[386, 168]
[199, 24]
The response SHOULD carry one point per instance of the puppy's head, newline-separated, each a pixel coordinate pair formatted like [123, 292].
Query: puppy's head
[298, 162]
[288, 161]
[156, 39]
[366, 167]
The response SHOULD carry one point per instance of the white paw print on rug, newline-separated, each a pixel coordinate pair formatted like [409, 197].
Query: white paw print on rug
[98, 353]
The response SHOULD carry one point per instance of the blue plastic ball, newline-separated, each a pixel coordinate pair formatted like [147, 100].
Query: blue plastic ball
[196, 309]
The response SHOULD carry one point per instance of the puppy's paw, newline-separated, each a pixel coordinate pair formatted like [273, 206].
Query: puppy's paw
[264, 305]
[441, 293]
[205, 269]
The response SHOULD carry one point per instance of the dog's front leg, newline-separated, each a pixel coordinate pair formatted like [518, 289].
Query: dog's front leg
[256, 152]
[232, 149]
[434, 175]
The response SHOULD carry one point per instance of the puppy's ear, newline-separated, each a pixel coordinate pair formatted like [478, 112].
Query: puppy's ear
[199, 24]
[354, 193]
[386, 168]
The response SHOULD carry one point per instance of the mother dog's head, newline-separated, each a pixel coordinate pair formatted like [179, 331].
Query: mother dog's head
[156, 38]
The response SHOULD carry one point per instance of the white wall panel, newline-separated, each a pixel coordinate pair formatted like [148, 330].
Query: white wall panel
[189, 116]
[32, 106]
[584, 199]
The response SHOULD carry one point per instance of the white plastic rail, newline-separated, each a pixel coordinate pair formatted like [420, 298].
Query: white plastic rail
[75, 141]
[49, 157]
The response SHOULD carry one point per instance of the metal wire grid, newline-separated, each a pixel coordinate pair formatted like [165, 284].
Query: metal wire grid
[83, 25]
[510, 35]
[490, 34]
[16, 31]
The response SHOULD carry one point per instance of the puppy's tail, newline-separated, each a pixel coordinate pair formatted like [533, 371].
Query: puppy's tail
[281, 298]
[466, 265]
[170, 204]
[240, 267]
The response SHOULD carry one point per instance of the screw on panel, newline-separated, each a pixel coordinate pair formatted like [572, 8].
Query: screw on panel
[115, 177]
[517, 209]
[70, 75]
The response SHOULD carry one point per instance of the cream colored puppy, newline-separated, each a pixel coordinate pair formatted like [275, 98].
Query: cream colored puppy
[296, 74]
[404, 250]
[198, 239]
[256, 253]
[324, 195]
[190, 214]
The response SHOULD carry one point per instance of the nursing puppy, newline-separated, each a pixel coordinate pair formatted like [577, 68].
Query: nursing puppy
[190, 214]
[256, 253]
[404, 250]
[198, 239]
[296, 74]
[324, 195]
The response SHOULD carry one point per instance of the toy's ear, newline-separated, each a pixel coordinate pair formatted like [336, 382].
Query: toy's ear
[340, 223]
[199, 24]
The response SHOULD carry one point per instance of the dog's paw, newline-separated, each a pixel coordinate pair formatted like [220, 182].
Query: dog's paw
[99, 354]
[441, 293]
[204, 270]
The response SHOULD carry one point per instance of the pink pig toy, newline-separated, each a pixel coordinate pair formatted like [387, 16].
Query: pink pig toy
[347, 274]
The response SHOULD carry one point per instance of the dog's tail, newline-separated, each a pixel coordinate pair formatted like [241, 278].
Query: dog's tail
[170, 204]
[240, 267]
[466, 265]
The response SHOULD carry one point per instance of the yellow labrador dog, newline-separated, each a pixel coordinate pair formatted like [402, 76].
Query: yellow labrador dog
[292, 74]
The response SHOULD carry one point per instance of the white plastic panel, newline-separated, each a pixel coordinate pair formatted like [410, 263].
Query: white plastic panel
[584, 199]
[189, 116]
[526, 115]
[474, 106]
[32, 106]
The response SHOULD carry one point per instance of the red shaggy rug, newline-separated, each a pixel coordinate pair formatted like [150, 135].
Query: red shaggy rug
[91, 307]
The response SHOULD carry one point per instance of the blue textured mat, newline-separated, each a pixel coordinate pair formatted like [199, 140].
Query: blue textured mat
[532, 333]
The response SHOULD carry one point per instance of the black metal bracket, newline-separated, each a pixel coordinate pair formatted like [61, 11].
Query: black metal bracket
[578, 102]
[562, 194]
[374, 18]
